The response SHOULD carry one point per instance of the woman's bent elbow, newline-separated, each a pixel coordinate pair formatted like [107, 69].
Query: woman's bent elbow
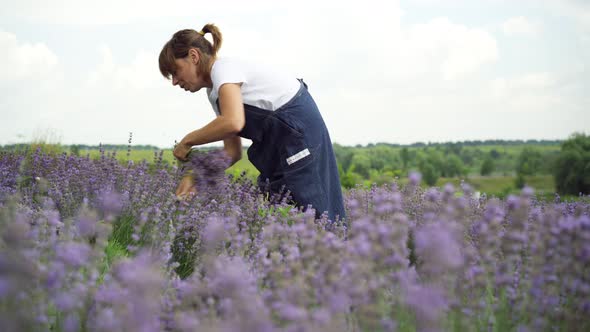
[236, 125]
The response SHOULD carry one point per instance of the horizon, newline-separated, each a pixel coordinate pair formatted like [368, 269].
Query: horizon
[213, 145]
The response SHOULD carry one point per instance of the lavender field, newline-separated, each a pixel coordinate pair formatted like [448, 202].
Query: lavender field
[96, 245]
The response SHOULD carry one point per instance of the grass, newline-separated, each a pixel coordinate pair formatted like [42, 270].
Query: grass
[113, 252]
[135, 155]
[502, 185]
[117, 244]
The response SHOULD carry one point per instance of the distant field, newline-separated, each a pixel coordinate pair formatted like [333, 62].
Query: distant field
[135, 155]
[544, 185]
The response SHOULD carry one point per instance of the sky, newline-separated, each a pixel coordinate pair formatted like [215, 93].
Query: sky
[86, 72]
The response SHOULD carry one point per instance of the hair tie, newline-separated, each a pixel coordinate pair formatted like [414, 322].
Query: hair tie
[201, 33]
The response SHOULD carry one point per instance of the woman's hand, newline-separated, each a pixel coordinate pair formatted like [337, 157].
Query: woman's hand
[181, 151]
[186, 188]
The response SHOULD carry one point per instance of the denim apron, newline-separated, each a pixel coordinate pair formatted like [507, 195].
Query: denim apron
[292, 150]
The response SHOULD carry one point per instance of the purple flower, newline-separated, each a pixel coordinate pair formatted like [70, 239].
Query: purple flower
[53, 218]
[362, 246]
[449, 189]
[428, 303]
[513, 202]
[415, 178]
[66, 301]
[214, 232]
[187, 321]
[73, 254]
[527, 192]
[86, 224]
[15, 233]
[110, 203]
[388, 324]
[473, 272]
[438, 247]
[140, 272]
[5, 286]
[291, 312]
[339, 302]
[432, 195]
[106, 320]
[230, 276]
[321, 316]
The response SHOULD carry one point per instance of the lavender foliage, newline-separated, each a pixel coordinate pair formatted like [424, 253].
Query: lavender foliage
[96, 245]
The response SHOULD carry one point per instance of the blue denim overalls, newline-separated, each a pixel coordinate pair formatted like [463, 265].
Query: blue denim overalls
[291, 147]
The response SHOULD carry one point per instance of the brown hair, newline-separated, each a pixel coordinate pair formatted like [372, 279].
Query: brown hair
[182, 41]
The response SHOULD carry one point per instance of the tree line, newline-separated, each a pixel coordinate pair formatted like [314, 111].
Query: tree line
[568, 161]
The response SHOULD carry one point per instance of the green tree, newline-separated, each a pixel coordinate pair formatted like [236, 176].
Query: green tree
[343, 156]
[436, 159]
[430, 166]
[454, 148]
[361, 164]
[383, 157]
[529, 161]
[494, 154]
[453, 166]
[468, 156]
[350, 179]
[520, 181]
[75, 149]
[429, 173]
[572, 166]
[405, 156]
[487, 167]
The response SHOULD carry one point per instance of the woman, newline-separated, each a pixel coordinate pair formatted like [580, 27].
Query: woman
[290, 146]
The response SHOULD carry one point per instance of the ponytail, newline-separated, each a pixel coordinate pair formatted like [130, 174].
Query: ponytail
[217, 37]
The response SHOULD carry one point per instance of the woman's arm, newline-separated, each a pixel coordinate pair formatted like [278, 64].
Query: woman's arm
[230, 121]
[233, 147]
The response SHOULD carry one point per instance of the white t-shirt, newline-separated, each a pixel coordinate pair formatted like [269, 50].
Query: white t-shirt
[263, 86]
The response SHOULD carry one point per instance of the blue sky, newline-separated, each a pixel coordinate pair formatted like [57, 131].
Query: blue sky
[381, 71]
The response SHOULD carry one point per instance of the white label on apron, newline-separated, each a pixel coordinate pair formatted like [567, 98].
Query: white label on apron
[297, 156]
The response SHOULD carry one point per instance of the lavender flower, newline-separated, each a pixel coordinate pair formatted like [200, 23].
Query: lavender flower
[100, 245]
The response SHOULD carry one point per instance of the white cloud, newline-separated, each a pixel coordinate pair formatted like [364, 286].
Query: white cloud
[142, 73]
[86, 12]
[31, 78]
[367, 42]
[529, 93]
[579, 10]
[121, 97]
[532, 81]
[23, 60]
[519, 26]
[454, 49]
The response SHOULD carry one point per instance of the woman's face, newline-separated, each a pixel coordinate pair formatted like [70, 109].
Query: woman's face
[186, 76]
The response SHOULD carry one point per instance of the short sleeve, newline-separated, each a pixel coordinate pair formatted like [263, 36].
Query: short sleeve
[224, 71]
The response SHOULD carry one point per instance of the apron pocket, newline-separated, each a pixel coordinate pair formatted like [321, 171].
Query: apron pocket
[288, 125]
[294, 158]
[304, 186]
